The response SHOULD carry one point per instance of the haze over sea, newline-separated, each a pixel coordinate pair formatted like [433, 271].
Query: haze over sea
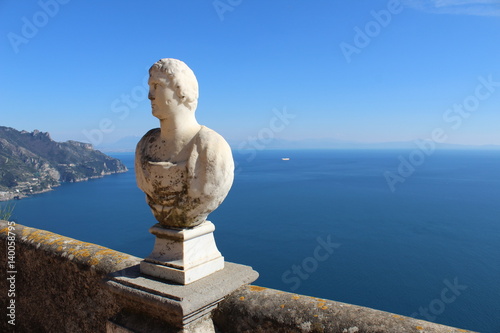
[429, 249]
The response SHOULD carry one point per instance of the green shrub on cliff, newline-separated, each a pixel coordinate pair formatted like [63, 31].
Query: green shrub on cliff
[6, 212]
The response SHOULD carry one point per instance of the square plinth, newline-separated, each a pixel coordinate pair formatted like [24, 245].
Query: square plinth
[183, 255]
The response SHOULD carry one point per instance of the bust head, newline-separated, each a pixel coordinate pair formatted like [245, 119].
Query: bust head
[175, 76]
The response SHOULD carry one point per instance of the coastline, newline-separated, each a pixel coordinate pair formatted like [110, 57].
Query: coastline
[16, 194]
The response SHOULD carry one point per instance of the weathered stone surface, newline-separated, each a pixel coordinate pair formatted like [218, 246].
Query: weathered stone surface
[176, 304]
[185, 169]
[258, 309]
[59, 282]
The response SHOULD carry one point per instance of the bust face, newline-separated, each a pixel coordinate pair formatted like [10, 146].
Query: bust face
[164, 100]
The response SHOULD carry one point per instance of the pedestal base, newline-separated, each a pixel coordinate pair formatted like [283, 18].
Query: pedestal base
[149, 305]
[183, 255]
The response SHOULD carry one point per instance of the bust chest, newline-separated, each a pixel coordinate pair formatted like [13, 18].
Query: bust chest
[166, 175]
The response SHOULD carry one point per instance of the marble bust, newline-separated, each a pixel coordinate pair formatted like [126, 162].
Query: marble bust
[185, 169]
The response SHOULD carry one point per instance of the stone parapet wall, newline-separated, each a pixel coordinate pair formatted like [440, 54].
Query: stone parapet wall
[60, 286]
[59, 282]
[258, 309]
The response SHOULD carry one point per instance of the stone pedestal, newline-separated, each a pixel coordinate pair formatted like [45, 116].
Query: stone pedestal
[183, 255]
[149, 305]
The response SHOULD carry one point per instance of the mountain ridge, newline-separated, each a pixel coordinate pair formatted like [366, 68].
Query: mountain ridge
[31, 162]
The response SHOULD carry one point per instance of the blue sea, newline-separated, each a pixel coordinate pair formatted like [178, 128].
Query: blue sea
[326, 223]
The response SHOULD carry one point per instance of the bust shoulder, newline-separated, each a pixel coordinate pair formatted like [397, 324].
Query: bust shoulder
[150, 145]
[211, 140]
[150, 136]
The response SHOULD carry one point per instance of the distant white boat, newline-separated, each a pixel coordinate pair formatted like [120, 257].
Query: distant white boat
[285, 158]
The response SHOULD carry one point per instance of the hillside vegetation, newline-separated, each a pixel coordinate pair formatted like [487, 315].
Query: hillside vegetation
[31, 162]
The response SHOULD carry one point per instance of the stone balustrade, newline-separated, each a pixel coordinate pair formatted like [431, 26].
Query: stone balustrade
[61, 285]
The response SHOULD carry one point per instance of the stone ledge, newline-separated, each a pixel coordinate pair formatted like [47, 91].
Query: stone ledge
[258, 309]
[58, 284]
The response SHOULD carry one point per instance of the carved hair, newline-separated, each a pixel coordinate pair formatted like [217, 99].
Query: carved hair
[181, 78]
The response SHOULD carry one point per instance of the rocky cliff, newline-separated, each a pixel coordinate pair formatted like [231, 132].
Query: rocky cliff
[32, 163]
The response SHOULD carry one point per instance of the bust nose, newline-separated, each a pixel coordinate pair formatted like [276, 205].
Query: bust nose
[151, 96]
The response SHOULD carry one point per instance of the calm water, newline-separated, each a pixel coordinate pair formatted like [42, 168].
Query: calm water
[430, 249]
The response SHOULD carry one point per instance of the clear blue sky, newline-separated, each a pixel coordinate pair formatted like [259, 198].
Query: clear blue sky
[69, 69]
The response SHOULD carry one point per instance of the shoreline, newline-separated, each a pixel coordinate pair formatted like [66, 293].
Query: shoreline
[12, 195]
